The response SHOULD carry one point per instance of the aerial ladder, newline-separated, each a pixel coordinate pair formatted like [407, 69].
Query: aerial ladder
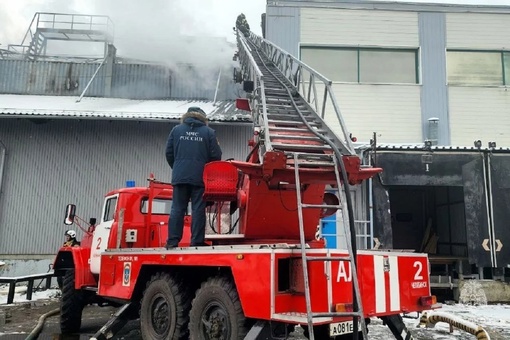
[294, 146]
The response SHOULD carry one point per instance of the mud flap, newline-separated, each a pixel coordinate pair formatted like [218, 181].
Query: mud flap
[117, 321]
[396, 325]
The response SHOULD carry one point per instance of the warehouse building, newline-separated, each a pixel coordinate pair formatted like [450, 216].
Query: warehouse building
[424, 89]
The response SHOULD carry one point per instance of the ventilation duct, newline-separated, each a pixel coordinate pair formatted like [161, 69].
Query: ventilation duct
[433, 130]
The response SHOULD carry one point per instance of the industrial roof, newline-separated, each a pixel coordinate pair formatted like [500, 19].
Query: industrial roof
[32, 106]
[421, 147]
[395, 6]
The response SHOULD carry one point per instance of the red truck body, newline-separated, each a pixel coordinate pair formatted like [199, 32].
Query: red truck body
[268, 266]
[390, 283]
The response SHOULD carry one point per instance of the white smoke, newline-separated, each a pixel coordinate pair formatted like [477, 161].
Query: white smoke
[174, 33]
[165, 31]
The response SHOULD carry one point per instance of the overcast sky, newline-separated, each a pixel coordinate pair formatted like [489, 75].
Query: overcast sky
[150, 29]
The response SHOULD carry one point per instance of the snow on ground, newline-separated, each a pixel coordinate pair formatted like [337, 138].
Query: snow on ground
[493, 318]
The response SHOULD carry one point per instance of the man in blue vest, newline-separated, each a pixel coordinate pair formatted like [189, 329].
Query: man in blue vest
[190, 146]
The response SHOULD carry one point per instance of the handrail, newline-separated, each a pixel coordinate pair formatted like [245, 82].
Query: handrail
[254, 74]
[36, 15]
[71, 21]
[294, 70]
[27, 278]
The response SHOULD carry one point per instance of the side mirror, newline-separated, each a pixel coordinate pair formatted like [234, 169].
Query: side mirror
[70, 214]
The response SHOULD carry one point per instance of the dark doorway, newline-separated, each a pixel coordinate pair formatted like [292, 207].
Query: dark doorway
[429, 219]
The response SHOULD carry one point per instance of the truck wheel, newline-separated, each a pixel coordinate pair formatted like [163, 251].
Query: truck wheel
[216, 312]
[165, 308]
[71, 305]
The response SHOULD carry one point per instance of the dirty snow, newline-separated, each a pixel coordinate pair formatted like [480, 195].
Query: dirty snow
[20, 294]
[493, 318]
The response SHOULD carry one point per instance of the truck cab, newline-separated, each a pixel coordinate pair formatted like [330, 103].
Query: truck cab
[132, 217]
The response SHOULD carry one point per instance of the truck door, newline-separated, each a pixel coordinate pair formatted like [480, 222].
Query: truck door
[476, 212]
[102, 233]
[499, 181]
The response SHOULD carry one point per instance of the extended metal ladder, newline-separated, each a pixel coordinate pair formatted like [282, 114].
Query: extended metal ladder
[289, 123]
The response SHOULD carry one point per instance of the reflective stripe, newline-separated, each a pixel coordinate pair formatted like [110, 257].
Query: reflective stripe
[380, 285]
[394, 284]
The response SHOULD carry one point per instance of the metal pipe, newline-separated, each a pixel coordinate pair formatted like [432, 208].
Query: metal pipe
[491, 207]
[487, 207]
[3, 151]
[91, 79]
[370, 205]
[120, 226]
[217, 86]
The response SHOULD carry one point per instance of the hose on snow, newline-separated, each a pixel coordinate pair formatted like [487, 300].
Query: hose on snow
[467, 326]
[35, 332]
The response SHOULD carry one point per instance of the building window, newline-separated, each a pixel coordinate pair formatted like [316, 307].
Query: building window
[363, 65]
[476, 67]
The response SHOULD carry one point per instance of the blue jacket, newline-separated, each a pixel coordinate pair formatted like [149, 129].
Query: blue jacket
[189, 147]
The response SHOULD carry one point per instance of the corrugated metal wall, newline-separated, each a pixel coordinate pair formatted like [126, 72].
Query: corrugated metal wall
[70, 161]
[49, 78]
[132, 81]
[434, 92]
[283, 28]
[141, 81]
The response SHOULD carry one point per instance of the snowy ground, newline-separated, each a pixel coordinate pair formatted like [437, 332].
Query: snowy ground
[493, 318]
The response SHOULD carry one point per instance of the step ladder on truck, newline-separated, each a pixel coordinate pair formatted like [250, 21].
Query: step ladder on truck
[269, 273]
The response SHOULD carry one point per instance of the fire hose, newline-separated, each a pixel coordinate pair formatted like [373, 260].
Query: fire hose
[35, 332]
[467, 326]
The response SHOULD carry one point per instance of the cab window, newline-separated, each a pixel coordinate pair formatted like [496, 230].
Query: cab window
[109, 210]
[159, 206]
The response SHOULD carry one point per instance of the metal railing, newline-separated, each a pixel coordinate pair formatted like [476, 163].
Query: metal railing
[76, 22]
[61, 21]
[12, 281]
[307, 82]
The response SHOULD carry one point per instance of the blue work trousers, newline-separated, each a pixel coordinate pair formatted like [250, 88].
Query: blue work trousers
[182, 194]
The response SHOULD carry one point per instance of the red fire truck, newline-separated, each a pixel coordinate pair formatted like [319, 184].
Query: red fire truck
[264, 270]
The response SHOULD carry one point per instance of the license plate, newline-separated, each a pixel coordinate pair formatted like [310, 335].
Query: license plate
[339, 328]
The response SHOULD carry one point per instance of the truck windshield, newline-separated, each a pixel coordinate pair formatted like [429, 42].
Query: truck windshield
[159, 206]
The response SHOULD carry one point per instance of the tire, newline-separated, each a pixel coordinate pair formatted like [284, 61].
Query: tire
[164, 312]
[216, 312]
[71, 305]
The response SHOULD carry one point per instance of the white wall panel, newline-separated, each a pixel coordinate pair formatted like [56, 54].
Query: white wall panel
[393, 111]
[359, 27]
[478, 31]
[479, 113]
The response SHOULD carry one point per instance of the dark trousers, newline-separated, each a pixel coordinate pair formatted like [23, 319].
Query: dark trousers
[182, 194]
